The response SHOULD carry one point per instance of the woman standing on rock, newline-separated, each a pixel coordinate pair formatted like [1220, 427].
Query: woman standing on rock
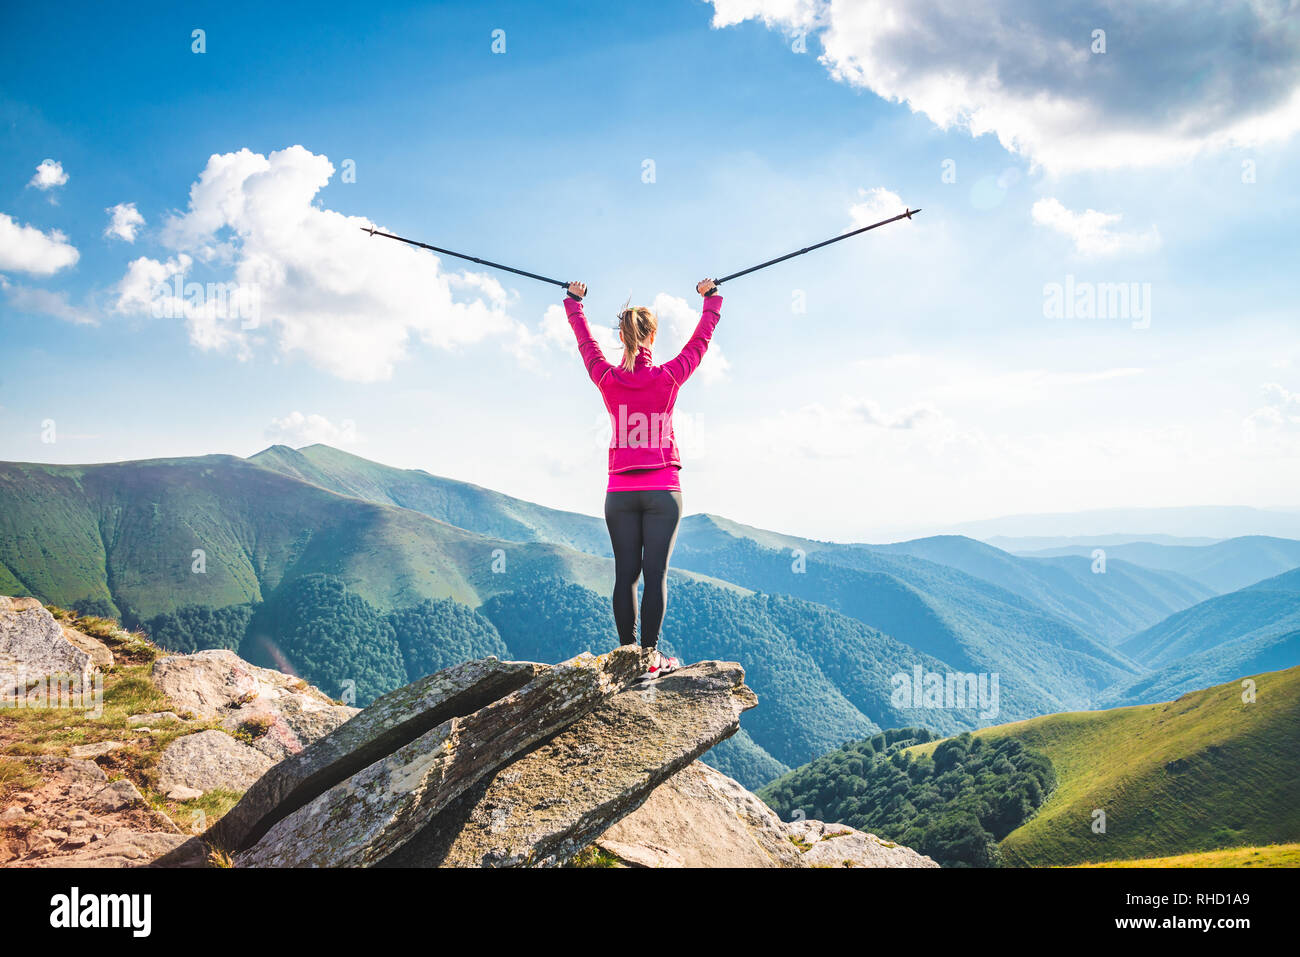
[643, 502]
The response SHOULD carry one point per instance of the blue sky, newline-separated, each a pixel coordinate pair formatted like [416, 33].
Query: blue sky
[922, 383]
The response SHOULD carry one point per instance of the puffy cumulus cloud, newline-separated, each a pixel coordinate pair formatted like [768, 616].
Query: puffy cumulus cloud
[1177, 77]
[874, 205]
[312, 280]
[298, 429]
[124, 221]
[43, 302]
[1092, 232]
[49, 175]
[144, 288]
[27, 249]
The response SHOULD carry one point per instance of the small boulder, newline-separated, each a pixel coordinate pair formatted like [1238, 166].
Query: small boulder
[210, 759]
[34, 648]
[91, 751]
[116, 796]
[838, 845]
[99, 653]
[284, 713]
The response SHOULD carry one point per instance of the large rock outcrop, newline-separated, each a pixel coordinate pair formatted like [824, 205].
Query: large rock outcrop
[552, 802]
[367, 816]
[33, 647]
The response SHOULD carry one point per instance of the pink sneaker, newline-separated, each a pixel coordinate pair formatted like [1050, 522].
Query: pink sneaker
[660, 664]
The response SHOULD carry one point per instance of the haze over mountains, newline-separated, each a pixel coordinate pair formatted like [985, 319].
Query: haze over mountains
[349, 570]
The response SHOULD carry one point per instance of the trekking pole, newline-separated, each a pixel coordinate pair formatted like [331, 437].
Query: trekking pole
[474, 259]
[807, 249]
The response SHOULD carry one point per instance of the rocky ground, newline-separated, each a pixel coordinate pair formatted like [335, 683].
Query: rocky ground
[207, 760]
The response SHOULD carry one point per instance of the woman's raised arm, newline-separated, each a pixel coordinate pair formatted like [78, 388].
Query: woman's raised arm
[592, 357]
[688, 360]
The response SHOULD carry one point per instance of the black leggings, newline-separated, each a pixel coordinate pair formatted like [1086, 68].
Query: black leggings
[642, 531]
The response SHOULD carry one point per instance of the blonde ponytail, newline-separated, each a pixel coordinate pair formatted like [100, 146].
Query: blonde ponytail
[637, 325]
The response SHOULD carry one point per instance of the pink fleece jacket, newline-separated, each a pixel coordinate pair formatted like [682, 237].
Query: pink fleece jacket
[642, 449]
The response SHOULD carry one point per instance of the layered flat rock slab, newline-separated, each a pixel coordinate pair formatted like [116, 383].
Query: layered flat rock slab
[547, 805]
[33, 647]
[120, 848]
[391, 721]
[365, 818]
[838, 845]
[701, 818]
[286, 711]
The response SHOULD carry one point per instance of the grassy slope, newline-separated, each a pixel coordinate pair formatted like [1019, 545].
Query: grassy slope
[1198, 774]
[1274, 855]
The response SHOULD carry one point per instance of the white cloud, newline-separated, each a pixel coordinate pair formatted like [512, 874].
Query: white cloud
[124, 221]
[871, 412]
[46, 303]
[27, 249]
[298, 429]
[349, 303]
[1093, 232]
[1026, 71]
[141, 288]
[49, 175]
[873, 206]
